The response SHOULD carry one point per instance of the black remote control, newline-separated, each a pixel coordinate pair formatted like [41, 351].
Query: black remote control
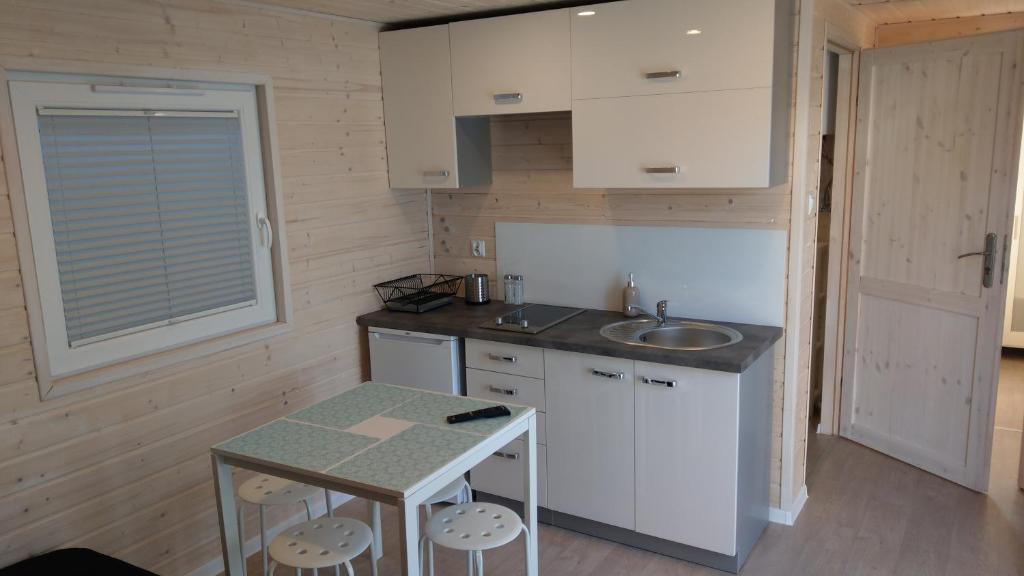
[492, 412]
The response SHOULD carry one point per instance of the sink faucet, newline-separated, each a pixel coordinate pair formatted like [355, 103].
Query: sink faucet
[661, 316]
[662, 312]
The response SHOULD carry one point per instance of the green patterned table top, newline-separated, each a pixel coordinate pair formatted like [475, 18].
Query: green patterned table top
[375, 434]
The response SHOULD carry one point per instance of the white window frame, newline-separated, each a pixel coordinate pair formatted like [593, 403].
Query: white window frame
[61, 368]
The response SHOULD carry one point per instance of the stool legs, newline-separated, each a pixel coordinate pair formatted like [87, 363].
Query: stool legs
[263, 539]
[430, 545]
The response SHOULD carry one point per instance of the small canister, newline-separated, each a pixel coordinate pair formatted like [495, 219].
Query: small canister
[477, 289]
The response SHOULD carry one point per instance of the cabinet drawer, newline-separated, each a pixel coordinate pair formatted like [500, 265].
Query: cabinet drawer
[696, 140]
[511, 64]
[505, 358]
[498, 387]
[502, 474]
[615, 49]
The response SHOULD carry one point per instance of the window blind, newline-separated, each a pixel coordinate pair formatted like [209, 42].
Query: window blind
[150, 218]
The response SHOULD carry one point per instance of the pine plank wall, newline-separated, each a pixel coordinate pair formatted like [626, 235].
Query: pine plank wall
[124, 467]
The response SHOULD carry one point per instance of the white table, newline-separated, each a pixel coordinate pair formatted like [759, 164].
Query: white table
[385, 443]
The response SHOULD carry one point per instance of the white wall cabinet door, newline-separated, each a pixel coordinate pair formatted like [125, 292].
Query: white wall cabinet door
[687, 433]
[590, 437]
[692, 140]
[512, 64]
[621, 43]
[423, 140]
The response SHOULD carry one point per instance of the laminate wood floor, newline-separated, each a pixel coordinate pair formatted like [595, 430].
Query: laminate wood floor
[868, 514]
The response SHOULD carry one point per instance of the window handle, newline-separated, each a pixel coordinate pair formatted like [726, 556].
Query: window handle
[264, 223]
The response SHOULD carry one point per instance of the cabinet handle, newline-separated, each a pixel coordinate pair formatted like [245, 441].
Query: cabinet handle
[662, 169]
[656, 382]
[507, 455]
[508, 98]
[505, 391]
[436, 174]
[612, 375]
[500, 358]
[664, 74]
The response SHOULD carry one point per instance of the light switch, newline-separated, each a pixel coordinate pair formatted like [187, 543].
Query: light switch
[479, 248]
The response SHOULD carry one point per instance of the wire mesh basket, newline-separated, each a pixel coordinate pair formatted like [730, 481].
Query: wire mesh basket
[419, 292]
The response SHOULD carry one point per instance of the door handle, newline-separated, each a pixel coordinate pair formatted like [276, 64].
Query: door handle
[500, 358]
[989, 255]
[611, 375]
[659, 382]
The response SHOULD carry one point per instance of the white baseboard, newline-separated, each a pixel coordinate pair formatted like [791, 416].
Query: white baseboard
[252, 545]
[788, 517]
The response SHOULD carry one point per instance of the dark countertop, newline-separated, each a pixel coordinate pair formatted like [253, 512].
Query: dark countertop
[578, 334]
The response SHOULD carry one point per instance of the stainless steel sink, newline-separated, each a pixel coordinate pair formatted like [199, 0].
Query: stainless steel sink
[672, 335]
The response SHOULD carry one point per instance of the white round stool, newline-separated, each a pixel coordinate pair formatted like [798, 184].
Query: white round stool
[475, 527]
[456, 488]
[262, 491]
[322, 543]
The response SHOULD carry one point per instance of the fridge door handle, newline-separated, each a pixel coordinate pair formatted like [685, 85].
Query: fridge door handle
[411, 339]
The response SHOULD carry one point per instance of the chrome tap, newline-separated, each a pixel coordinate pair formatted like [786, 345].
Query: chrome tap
[661, 316]
[662, 312]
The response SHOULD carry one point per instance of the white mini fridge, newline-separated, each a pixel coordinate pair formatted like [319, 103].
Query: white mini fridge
[414, 359]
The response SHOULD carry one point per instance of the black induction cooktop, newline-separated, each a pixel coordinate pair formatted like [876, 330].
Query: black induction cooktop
[532, 318]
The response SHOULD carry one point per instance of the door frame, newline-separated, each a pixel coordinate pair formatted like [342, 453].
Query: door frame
[839, 234]
[978, 465]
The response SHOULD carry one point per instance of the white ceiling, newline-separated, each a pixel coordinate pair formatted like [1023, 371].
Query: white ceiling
[890, 11]
[392, 11]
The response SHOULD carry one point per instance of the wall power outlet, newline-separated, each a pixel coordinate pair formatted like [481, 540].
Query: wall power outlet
[478, 248]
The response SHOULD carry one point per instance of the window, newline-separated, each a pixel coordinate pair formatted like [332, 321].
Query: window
[147, 213]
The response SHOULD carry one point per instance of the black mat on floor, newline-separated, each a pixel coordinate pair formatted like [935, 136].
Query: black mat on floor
[73, 562]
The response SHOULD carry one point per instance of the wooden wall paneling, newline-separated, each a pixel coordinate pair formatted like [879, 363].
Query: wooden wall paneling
[124, 467]
[942, 29]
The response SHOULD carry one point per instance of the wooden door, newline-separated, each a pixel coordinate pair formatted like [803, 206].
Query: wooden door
[938, 130]
[590, 437]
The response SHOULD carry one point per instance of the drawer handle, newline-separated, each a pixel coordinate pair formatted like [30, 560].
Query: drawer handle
[662, 169]
[508, 98]
[612, 375]
[500, 358]
[507, 455]
[504, 391]
[664, 74]
[656, 382]
[436, 174]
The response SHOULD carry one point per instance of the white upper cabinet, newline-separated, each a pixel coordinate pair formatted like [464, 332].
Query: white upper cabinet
[425, 145]
[690, 140]
[659, 46]
[512, 64]
[681, 93]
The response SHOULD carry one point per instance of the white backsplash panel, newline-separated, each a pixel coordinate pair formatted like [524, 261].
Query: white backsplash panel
[726, 274]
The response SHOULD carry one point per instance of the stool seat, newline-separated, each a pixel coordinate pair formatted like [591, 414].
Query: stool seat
[453, 489]
[321, 543]
[474, 526]
[272, 491]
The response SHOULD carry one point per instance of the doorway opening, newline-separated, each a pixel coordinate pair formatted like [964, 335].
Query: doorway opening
[831, 235]
[1007, 442]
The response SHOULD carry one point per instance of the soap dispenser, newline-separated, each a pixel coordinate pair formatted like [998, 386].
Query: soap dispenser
[631, 299]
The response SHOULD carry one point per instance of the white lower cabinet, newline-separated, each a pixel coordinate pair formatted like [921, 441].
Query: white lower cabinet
[501, 473]
[687, 432]
[590, 436]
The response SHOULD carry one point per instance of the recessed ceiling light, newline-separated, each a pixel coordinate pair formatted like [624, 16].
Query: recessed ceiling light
[693, 32]
[586, 13]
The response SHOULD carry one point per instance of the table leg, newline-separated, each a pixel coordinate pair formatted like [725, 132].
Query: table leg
[409, 534]
[225, 488]
[378, 541]
[530, 498]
